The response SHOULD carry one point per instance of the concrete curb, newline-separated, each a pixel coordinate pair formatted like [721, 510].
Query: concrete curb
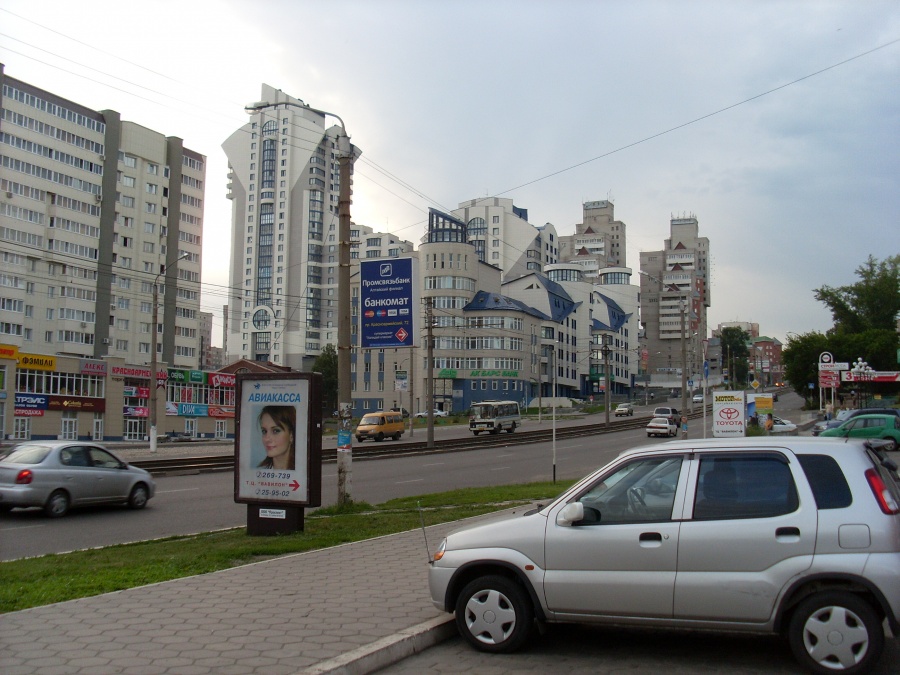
[388, 650]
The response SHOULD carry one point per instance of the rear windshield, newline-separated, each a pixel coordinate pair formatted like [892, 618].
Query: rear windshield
[27, 454]
[827, 481]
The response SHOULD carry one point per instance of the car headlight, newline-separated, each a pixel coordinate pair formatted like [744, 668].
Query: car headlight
[440, 552]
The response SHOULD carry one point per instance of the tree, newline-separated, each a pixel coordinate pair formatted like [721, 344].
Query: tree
[735, 353]
[873, 302]
[327, 364]
[800, 358]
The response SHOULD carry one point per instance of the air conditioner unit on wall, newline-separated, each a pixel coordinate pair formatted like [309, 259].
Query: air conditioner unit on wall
[98, 198]
[9, 195]
[105, 341]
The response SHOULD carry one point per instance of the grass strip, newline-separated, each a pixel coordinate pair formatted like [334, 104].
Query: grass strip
[34, 582]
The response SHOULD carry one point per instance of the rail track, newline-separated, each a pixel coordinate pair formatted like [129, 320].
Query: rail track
[388, 449]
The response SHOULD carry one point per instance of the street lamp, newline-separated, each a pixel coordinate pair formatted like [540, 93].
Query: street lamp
[862, 372]
[344, 346]
[154, 391]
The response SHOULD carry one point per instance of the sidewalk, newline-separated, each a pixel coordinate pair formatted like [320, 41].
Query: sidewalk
[348, 609]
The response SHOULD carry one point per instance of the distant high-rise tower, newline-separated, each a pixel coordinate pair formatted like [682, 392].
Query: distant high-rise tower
[598, 242]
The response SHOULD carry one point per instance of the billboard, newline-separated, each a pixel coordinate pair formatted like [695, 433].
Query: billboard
[388, 303]
[278, 439]
[729, 418]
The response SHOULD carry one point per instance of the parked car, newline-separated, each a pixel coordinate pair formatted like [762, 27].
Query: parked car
[677, 535]
[698, 398]
[59, 475]
[782, 425]
[402, 411]
[661, 426]
[670, 413]
[437, 413]
[886, 427]
[624, 409]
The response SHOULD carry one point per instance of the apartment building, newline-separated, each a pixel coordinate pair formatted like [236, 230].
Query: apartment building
[95, 213]
[675, 295]
[599, 240]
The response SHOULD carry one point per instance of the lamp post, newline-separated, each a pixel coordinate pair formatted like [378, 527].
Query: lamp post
[862, 372]
[344, 346]
[605, 351]
[154, 387]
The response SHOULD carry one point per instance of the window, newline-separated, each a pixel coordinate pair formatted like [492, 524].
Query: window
[642, 490]
[747, 486]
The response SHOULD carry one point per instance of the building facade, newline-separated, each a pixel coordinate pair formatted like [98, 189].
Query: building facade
[98, 218]
[599, 240]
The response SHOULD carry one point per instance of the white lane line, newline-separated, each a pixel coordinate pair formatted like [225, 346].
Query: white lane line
[165, 492]
[415, 480]
[501, 468]
[22, 527]
[434, 464]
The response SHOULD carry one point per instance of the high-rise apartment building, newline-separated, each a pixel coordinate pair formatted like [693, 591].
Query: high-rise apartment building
[93, 212]
[599, 240]
[675, 295]
[284, 184]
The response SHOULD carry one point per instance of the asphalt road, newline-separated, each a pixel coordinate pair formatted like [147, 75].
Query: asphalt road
[204, 502]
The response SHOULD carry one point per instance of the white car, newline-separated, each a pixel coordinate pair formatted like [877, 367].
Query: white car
[661, 426]
[437, 413]
[698, 398]
[782, 425]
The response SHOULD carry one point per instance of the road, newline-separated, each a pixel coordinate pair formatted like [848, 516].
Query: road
[205, 502]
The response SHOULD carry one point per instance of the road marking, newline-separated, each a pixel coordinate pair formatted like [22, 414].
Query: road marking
[23, 527]
[434, 464]
[416, 480]
[164, 492]
[501, 468]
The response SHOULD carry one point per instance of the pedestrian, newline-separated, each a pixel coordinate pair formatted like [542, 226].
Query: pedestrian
[684, 428]
[770, 423]
[829, 411]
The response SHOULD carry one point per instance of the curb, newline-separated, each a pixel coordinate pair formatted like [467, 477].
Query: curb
[388, 650]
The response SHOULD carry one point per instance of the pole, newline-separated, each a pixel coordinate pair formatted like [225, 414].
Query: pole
[412, 363]
[554, 412]
[683, 359]
[345, 395]
[154, 366]
[154, 399]
[606, 397]
[429, 374]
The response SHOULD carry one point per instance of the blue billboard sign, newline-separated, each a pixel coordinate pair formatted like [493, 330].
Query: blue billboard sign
[388, 302]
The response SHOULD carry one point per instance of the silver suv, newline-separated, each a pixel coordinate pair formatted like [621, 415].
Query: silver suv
[798, 536]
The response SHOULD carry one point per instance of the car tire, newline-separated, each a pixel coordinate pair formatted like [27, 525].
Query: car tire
[57, 504]
[139, 497]
[512, 428]
[397, 437]
[379, 436]
[836, 616]
[359, 439]
[890, 444]
[494, 614]
[476, 433]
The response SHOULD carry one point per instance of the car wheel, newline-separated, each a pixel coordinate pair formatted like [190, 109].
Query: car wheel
[494, 614]
[396, 437]
[495, 430]
[57, 504]
[512, 428]
[890, 444]
[138, 497]
[359, 438]
[476, 433]
[836, 631]
[379, 436]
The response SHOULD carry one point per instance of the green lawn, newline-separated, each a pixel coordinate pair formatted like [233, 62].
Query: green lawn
[48, 579]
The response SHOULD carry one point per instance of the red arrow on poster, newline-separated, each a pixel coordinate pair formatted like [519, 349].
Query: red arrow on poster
[294, 485]
[401, 335]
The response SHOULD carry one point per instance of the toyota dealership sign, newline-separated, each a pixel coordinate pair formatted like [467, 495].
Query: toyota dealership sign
[729, 418]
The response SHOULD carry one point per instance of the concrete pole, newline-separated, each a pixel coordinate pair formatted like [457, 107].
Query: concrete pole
[344, 347]
[429, 374]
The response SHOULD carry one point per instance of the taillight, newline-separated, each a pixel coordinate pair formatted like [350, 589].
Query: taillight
[885, 499]
[24, 477]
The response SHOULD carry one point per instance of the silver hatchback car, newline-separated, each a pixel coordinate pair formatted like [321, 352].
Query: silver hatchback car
[57, 475]
[798, 536]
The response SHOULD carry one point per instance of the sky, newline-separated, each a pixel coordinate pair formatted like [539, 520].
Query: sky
[775, 123]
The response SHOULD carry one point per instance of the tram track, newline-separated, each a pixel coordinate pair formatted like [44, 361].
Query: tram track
[389, 449]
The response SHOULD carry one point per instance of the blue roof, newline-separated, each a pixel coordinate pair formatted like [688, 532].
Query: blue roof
[484, 301]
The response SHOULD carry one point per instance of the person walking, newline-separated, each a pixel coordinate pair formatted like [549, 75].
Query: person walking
[684, 427]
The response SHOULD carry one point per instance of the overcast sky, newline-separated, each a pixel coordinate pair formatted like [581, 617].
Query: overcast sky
[775, 124]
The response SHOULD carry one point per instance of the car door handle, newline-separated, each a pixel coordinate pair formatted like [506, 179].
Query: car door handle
[650, 540]
[788, 533]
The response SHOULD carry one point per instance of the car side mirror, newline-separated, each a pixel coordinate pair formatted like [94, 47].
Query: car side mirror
[571, 513]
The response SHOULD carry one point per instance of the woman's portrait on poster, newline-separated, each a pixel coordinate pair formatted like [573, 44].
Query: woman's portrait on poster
[277, 426]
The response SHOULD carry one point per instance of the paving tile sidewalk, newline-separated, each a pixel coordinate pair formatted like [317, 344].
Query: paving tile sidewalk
[348, 609]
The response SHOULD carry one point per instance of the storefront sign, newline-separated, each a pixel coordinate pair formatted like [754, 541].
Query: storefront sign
[29, 412]
[92, 367]
[222, 379]
[37, 362]
[9, 352]
[135, 411]
[31, 402]
[78, 403]
[494, 373]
